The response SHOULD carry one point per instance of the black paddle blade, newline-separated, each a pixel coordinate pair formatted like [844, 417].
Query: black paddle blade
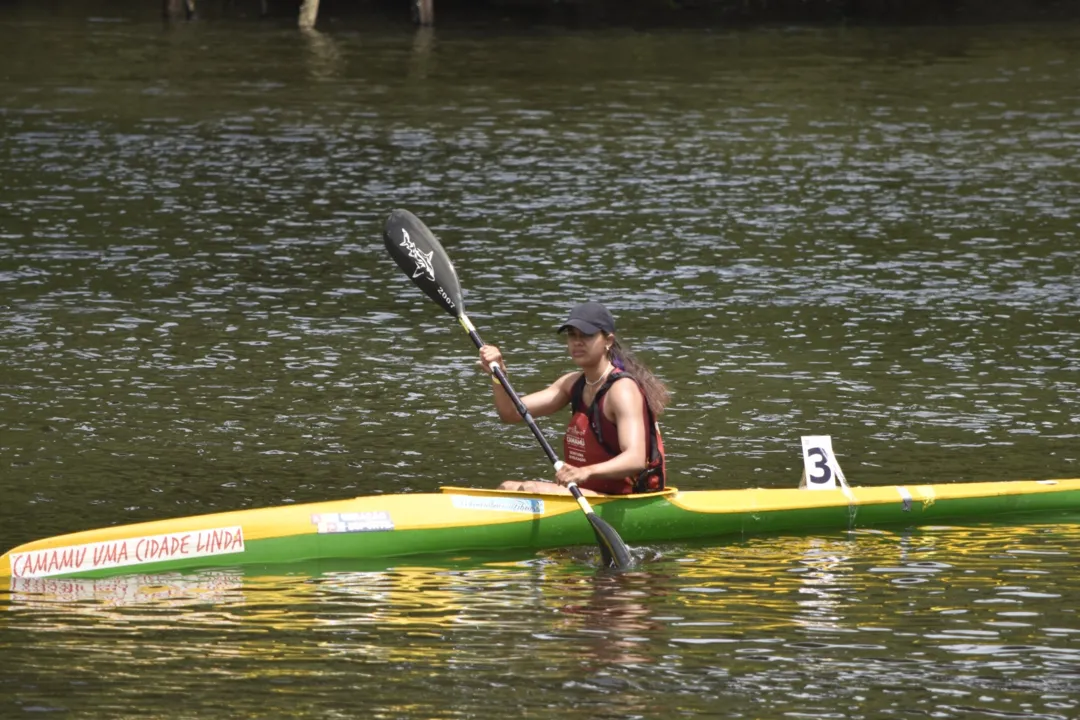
[417, 252]
[613, 550]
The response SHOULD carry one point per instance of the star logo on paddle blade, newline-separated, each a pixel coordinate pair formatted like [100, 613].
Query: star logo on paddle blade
[422, 259]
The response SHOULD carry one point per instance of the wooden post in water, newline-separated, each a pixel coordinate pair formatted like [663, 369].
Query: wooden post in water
[309, 10]
[423, 12]
[175, 9]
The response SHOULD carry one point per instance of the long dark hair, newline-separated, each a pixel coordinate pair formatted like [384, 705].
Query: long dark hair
[656, 393]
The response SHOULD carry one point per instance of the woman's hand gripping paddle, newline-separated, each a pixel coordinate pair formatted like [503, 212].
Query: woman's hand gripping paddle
[415, 249]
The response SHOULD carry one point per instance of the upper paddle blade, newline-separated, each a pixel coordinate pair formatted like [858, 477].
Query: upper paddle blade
[613, 550]
[417, 252]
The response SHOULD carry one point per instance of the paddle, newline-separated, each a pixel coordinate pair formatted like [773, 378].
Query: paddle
[415, 249]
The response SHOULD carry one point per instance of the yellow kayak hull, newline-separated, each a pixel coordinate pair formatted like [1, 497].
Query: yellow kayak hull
[461, 520]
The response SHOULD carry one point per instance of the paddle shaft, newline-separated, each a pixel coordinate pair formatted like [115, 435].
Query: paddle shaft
[524, 411]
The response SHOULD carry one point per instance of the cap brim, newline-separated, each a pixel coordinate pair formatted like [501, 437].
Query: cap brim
[586, 327]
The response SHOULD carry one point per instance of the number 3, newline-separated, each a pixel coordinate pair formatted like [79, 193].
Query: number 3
[821, 464]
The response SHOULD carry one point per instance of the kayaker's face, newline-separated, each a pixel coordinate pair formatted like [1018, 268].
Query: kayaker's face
[585, 349]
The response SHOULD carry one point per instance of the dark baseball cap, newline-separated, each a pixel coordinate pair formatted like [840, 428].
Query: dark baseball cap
[590, 318]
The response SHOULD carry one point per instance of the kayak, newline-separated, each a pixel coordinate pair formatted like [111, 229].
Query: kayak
[458, 519]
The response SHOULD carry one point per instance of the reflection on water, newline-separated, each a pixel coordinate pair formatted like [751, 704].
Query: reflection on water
[216, 587]
[974, 616]
[324, 60]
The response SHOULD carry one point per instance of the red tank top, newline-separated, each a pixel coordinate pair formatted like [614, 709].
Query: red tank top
[582, 446]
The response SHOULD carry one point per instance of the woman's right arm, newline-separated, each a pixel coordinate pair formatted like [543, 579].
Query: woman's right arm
[543, 402]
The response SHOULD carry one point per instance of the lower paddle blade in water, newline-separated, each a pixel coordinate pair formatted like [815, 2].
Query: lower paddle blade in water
[614, 551]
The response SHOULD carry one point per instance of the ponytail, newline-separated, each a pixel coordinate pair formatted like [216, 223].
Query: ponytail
[656, 393]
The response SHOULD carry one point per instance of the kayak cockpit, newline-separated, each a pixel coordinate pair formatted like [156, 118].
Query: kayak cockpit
[488, 492]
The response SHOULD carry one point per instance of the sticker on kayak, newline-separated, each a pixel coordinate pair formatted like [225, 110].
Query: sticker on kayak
[127, 551]
[350, 522]
[530, 506]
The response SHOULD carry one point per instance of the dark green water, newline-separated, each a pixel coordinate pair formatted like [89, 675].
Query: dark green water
[869, 234]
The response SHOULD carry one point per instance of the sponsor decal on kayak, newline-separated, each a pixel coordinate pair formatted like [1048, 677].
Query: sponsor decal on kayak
[530, 506]
[127, 551]
[349, 522]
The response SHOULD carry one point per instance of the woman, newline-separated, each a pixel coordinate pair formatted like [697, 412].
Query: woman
[613, 443]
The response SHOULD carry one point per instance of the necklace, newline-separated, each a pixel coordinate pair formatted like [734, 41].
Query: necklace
[594, 383]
